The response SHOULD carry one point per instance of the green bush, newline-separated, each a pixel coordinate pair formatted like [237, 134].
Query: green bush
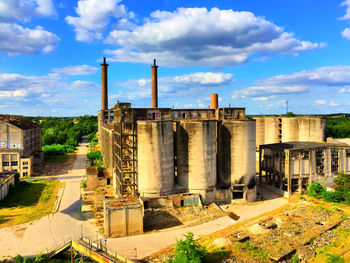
[94, 157]
[316, 190]
[188, 250]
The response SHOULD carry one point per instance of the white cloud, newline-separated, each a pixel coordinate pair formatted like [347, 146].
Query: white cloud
[77, 70]
[347, 12]
[24, 10]
[201, 37]
[261, 98]
[346, 33]
[17, 40]
[320, 102]
[93, 18]
[193, 86]
[15, 93]
[300, 82]
[207, 78]
[333, 104]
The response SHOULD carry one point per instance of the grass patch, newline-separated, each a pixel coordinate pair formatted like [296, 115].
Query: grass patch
[253, 251]
[28, 201]
[56, 158]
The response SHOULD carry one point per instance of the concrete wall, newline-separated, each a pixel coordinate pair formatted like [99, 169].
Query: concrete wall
[290, 129]
[122, 219]
[236, 154]
[5, 186]
[196, 157]
[107, 147]
[155, 157]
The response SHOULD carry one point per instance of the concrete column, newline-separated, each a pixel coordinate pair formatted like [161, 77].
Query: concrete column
[104, 85]
[287, 172]
[154, 85]
[301, 163]
[260, 168]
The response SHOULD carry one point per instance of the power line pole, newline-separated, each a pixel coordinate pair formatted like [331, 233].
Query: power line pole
[287, 107]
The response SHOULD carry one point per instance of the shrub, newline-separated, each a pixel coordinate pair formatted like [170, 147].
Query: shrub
[315, 190]
[94, 157]
[188, 250]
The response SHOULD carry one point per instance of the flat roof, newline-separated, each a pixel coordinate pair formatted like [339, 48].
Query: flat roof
[294, 145]
[5, 175]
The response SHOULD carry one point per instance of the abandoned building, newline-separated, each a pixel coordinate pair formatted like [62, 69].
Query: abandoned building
[291, 166]
[20, 145]
[152, 152]
[270, 129]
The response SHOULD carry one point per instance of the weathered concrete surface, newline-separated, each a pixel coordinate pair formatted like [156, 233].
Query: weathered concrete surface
[54, 230]
[155, 157]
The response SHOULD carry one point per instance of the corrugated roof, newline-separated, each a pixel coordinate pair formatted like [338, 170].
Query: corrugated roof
[18, 121]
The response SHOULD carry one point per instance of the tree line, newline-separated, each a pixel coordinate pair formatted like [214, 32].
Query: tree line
[61, 135]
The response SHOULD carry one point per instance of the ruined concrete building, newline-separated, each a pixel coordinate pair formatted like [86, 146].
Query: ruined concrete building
[152, 152]
[213, 152]
[20, 145]
[290, 167]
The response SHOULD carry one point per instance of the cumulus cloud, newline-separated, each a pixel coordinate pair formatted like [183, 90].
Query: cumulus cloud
[196, 85]
[94, 16]
[36, 94]
[346, 31]
[202, 37]
[300, 82]
[19, 10]
[16, 40]
[77, 70]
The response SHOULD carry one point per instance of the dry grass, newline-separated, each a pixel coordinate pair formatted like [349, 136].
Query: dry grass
[28, 201]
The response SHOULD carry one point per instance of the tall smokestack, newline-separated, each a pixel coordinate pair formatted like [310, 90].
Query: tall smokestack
[104, 85]
[214, 101]
[154, 85]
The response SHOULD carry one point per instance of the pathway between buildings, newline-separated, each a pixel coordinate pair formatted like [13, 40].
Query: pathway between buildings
[54, 230]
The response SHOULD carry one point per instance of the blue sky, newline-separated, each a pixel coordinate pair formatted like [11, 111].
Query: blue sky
[255, 54]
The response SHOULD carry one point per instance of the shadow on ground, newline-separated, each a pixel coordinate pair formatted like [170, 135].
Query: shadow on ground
[74, 210]
[23, 194]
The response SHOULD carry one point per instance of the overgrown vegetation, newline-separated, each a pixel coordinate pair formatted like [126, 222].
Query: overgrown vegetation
[341, 193]
[252, 251]
[42, 258]
[188, 250]
[28, 201]
[338, 127]
[60, 135]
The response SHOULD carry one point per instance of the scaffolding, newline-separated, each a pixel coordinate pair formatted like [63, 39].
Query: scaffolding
[126, 157]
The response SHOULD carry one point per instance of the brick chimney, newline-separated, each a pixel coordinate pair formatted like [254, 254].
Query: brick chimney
[104, 85]
[154, 85]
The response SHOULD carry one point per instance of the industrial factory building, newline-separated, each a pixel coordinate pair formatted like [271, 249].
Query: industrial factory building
[20, 145]
[153, 152]
[291, 166]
